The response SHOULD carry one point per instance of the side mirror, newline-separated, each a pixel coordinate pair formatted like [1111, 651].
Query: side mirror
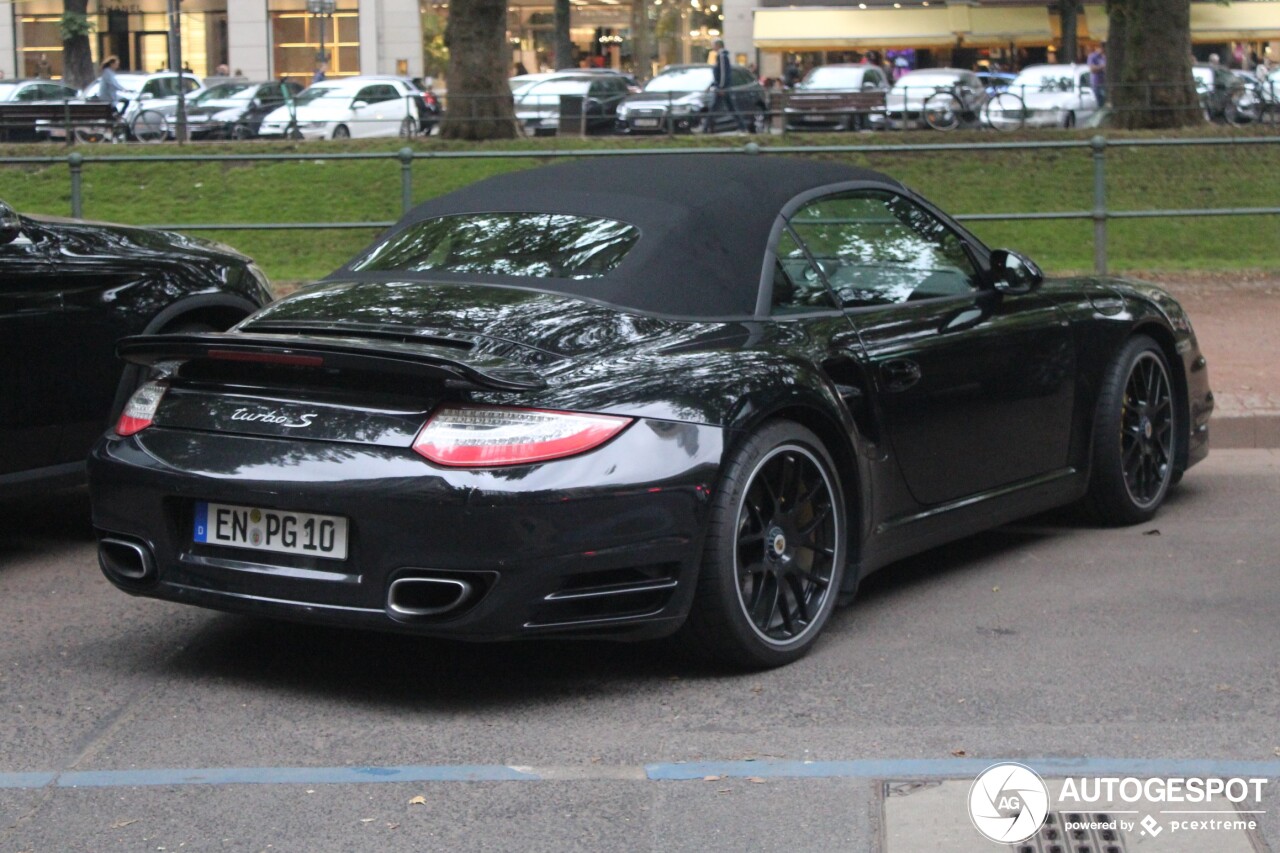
[145, 96]
[10, 224]
[1013, 274]
[358, 105]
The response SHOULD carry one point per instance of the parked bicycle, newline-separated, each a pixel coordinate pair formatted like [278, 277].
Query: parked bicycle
[948, 108]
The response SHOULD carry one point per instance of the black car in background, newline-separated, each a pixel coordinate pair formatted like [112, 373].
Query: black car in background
[629, 396]
[680, 100]
[68, 291]
[234, 109]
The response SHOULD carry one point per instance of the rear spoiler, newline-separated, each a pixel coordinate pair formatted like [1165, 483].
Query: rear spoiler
[457, 368]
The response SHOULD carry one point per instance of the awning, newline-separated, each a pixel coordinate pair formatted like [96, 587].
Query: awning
[839, 29]
[1237, 22]
[1005, 26]
[836, 29]
[1211, 22]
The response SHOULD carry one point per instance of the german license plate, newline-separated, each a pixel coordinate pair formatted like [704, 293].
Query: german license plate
[645, 122]
[815, 117]
[271, 530]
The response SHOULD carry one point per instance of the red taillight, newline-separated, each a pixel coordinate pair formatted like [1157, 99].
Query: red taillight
[429, 99]
[141, 409]
[474, 437]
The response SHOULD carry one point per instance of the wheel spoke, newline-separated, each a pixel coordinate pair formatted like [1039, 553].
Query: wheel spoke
[802, 603]
[817, 519]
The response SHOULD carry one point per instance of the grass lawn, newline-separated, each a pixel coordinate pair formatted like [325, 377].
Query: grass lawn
[984, 181]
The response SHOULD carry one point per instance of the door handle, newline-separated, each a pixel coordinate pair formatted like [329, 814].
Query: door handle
[900, 374]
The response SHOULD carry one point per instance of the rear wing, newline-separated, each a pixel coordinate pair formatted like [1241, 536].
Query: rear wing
[456, 366]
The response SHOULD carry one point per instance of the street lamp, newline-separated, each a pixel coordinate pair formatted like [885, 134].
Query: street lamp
[322, 9]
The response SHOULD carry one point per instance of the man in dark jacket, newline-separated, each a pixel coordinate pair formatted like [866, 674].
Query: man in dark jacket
[722, 80]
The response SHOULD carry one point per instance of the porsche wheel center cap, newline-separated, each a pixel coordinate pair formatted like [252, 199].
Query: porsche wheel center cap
[777, 543]
[1147, 431]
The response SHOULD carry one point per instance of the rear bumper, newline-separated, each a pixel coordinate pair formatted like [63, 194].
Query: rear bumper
[607, 543]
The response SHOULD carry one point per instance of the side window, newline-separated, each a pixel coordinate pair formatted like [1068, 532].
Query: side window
[369, 94]
[155, 88]
[740, 77]
[878, 248]
[797, 285]
[30, 93]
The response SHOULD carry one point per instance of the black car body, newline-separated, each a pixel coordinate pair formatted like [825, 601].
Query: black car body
[837, 96]
[234, 109]
[68, 291]
[591, 98]
[681, 97]
[689, 398]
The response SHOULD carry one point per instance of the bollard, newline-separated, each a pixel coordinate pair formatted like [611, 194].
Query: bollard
[1099, 146]
[75, 160]
[406, 178]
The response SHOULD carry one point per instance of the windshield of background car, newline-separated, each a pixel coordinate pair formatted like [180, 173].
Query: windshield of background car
[555, 88]
[832, 78]
[226, 92]
[681, 80]
[315, 93]
[534, 245]
[923, 81]
[1044, 80]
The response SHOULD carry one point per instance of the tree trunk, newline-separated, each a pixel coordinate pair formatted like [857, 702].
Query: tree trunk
[1069, 15]
[1150, 85]
[560, 26]
[77, 61]
[640, 51]
[479, 105]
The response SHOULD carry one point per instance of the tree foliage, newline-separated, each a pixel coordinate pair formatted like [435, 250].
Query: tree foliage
[1149, 80]
[479, 104]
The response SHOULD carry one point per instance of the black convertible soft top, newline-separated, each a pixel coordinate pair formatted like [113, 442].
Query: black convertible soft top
[704, 222]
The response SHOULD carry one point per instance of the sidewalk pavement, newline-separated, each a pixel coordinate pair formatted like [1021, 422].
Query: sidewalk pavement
[1236, 317]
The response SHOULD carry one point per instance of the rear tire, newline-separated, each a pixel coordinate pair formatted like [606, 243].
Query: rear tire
[1136, 436]
[775, 552]
[341, 132]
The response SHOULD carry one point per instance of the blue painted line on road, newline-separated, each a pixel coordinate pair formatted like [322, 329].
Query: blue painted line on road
[886, 769]
[292, 776]
[26, 780]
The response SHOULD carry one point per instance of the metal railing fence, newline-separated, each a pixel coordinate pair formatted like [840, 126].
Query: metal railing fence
[1097, 147]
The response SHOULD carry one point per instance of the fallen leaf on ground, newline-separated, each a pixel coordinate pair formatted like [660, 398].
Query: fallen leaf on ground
[418, 801]
[958, 753]
[757, 779]
[123, 823]
[712, 778]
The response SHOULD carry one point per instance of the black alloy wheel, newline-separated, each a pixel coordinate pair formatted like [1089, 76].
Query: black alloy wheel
[1136, 434]
[775, 551]
[341, 132]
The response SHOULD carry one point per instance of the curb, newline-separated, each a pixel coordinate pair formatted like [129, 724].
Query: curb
[1235, 432]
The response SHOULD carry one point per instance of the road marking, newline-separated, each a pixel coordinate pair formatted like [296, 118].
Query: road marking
[886, 769]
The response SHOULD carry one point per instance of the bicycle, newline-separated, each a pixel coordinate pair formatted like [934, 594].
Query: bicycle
[144, 126]
[945, 110]
[1005, 111]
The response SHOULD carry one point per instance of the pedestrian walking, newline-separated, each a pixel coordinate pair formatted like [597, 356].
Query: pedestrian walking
[722, 80]
[1098, 73]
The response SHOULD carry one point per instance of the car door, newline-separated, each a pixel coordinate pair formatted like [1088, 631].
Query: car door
[380, 113]
[1088, 99]
[974, 387]
[35, 358]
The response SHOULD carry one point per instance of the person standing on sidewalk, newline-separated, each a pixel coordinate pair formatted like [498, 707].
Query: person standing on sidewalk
[1098, 73]
[721, 81]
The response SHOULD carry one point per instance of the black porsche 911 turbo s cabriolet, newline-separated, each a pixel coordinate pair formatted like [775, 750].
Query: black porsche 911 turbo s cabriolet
[69, 289]
[625, 397]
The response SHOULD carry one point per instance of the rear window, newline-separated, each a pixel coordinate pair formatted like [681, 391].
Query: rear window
[534, 245]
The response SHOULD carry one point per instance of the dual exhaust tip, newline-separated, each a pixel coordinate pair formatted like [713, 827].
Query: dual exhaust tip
[130, 562]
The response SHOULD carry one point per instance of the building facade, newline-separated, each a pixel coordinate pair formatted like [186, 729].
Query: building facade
[259, 39]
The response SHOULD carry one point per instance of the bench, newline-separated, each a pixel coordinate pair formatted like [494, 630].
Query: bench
[21, 120]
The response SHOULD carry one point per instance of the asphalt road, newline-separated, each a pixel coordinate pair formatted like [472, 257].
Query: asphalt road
[130, 724]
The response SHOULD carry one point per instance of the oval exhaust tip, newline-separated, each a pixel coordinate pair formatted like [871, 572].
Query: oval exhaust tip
[427, 596]
[125, 559]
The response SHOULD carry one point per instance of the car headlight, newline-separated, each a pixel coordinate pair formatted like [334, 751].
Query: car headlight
[622, 110]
